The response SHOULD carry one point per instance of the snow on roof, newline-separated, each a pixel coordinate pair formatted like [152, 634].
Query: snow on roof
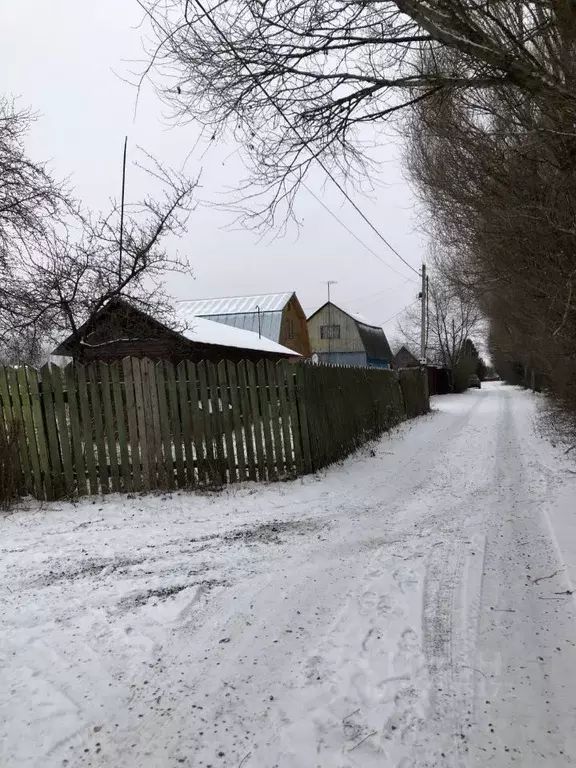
[235, 305]
[209, 332]
[361, 319]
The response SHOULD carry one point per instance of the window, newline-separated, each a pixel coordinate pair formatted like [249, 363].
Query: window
[329, 331]
[289, 329]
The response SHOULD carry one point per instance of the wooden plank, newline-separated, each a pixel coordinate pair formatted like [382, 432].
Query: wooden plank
[301, 397]
[226, 420]
[217, 425]
[275, 417]
[75, 433]
[110, 428]
[142, 426]
[56, 470]
[256, 420]
[98, 425]
[176, 426]
[10, 422]
[151, 437]
[265, 420]
[236, 414]
[63, 430]
[212, 475]
[132, 418]
[282, 373]
[86, 428]
[30, 431]
[121, 431]
[294, 421]
[247, 421]
[182, 374]
[27, 482]
[165, 431]
[159, 457]
[196, 426]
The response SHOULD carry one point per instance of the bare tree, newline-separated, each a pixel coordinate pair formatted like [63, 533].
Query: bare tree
[30, 198]
[295, 79]
[452, 323]
[61, 263]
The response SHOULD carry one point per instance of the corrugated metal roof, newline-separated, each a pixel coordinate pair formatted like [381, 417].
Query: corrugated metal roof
[240, 312]
[235, 305]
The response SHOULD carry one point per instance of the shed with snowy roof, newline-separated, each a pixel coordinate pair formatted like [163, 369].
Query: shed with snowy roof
[275, 316]
[341, 337]
[120, 329]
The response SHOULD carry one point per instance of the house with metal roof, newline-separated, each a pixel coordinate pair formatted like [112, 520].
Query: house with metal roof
[120, 329]
[345, 338]
[275, 316]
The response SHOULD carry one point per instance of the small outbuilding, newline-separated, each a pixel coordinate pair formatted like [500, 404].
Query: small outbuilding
[275, 316]
[405, 359]
[121, 330]
[346, 338]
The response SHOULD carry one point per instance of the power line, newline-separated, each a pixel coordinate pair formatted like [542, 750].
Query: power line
[354, 235]
[400, 312]
[304, 141]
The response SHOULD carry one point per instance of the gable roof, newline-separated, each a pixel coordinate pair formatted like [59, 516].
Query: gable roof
[199, 330]
[405, 357]
[372, 336]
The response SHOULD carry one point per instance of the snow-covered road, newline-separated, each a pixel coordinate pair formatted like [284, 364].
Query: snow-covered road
[407, 609]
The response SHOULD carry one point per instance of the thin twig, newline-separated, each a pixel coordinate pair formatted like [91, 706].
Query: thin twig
[241, 763]
[465, 666]
[543, 578]
[363, 740]
[350, 715]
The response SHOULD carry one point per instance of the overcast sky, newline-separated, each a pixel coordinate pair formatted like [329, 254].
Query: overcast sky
[68, 60]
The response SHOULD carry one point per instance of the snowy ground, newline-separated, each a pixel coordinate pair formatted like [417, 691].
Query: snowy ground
[407, 609]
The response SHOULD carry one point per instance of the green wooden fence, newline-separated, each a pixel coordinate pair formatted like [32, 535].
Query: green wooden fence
[138, 425]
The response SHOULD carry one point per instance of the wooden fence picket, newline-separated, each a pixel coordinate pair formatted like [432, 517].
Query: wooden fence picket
[63, 430]
[120, 421]
[132, 419]
[86, 428]
[281, 377]
[197, 425]
[275, 417]
[247, 421]
[165, 431]
[236, 422]
[98, 425]
[175, 423]
[226, 421]
[110, 428]
[257, 418]
[265, 421]
[183, 395]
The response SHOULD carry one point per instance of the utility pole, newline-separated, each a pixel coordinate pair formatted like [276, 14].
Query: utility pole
[423, 305]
